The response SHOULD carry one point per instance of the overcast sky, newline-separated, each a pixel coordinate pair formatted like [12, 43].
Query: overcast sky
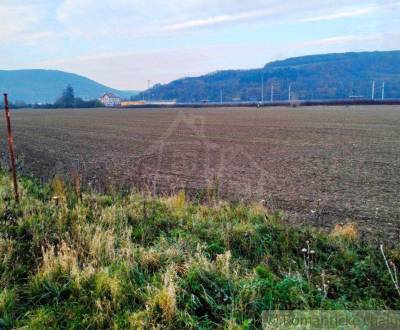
[125, 43]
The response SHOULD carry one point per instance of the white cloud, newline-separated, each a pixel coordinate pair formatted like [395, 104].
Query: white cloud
[15, 20]
[23, 22]
[221, 19]
[28, 20]
[339, 40]
[349, 12]
[137, 18]
[92, 18]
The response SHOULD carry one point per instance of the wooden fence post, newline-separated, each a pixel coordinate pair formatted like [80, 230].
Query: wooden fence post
[11, 148]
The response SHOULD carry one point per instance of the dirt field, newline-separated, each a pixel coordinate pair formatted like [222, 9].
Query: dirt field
[321, 164]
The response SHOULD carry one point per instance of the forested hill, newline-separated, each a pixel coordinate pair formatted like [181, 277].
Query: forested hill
[42, 86]
[330, 76]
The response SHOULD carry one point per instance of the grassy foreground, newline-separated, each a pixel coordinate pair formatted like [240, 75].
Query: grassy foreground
[128, 262]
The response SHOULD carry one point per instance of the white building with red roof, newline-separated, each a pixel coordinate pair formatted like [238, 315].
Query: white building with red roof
[110, 100]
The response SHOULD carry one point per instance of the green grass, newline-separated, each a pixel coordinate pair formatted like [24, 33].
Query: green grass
[127, 261]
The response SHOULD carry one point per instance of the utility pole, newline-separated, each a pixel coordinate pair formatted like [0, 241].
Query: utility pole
[383, 91]
[148, 90]
[11, 148]
[373, 90]
[272, 93]
[290, 92]
[262, 87]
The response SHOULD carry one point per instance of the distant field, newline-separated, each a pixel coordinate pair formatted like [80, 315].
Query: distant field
[321, 164]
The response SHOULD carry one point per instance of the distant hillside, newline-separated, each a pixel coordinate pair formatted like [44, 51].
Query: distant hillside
[46, 85]
[331, 76]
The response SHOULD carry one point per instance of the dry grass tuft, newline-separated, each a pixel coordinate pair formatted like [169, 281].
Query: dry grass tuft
[138, 320]
[348, 231]
[59, 190]
[167, 296]
[164, 299]
[102, 246]
[177, 202]
[150, 258]
[223, 263]
[257, 209]
[64, 258]
[105, 284]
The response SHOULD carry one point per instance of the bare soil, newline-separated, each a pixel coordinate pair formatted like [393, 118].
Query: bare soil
[323, 165]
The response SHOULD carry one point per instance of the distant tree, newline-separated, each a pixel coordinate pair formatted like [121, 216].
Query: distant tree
[68, 96]
[79, 103]
[14, 105]
[21, 104]
[67, 99]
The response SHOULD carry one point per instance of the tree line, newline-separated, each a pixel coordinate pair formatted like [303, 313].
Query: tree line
[67, 99]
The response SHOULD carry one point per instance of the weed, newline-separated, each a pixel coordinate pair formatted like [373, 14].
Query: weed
[347, 232]
[392, 270]
[59, 190]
